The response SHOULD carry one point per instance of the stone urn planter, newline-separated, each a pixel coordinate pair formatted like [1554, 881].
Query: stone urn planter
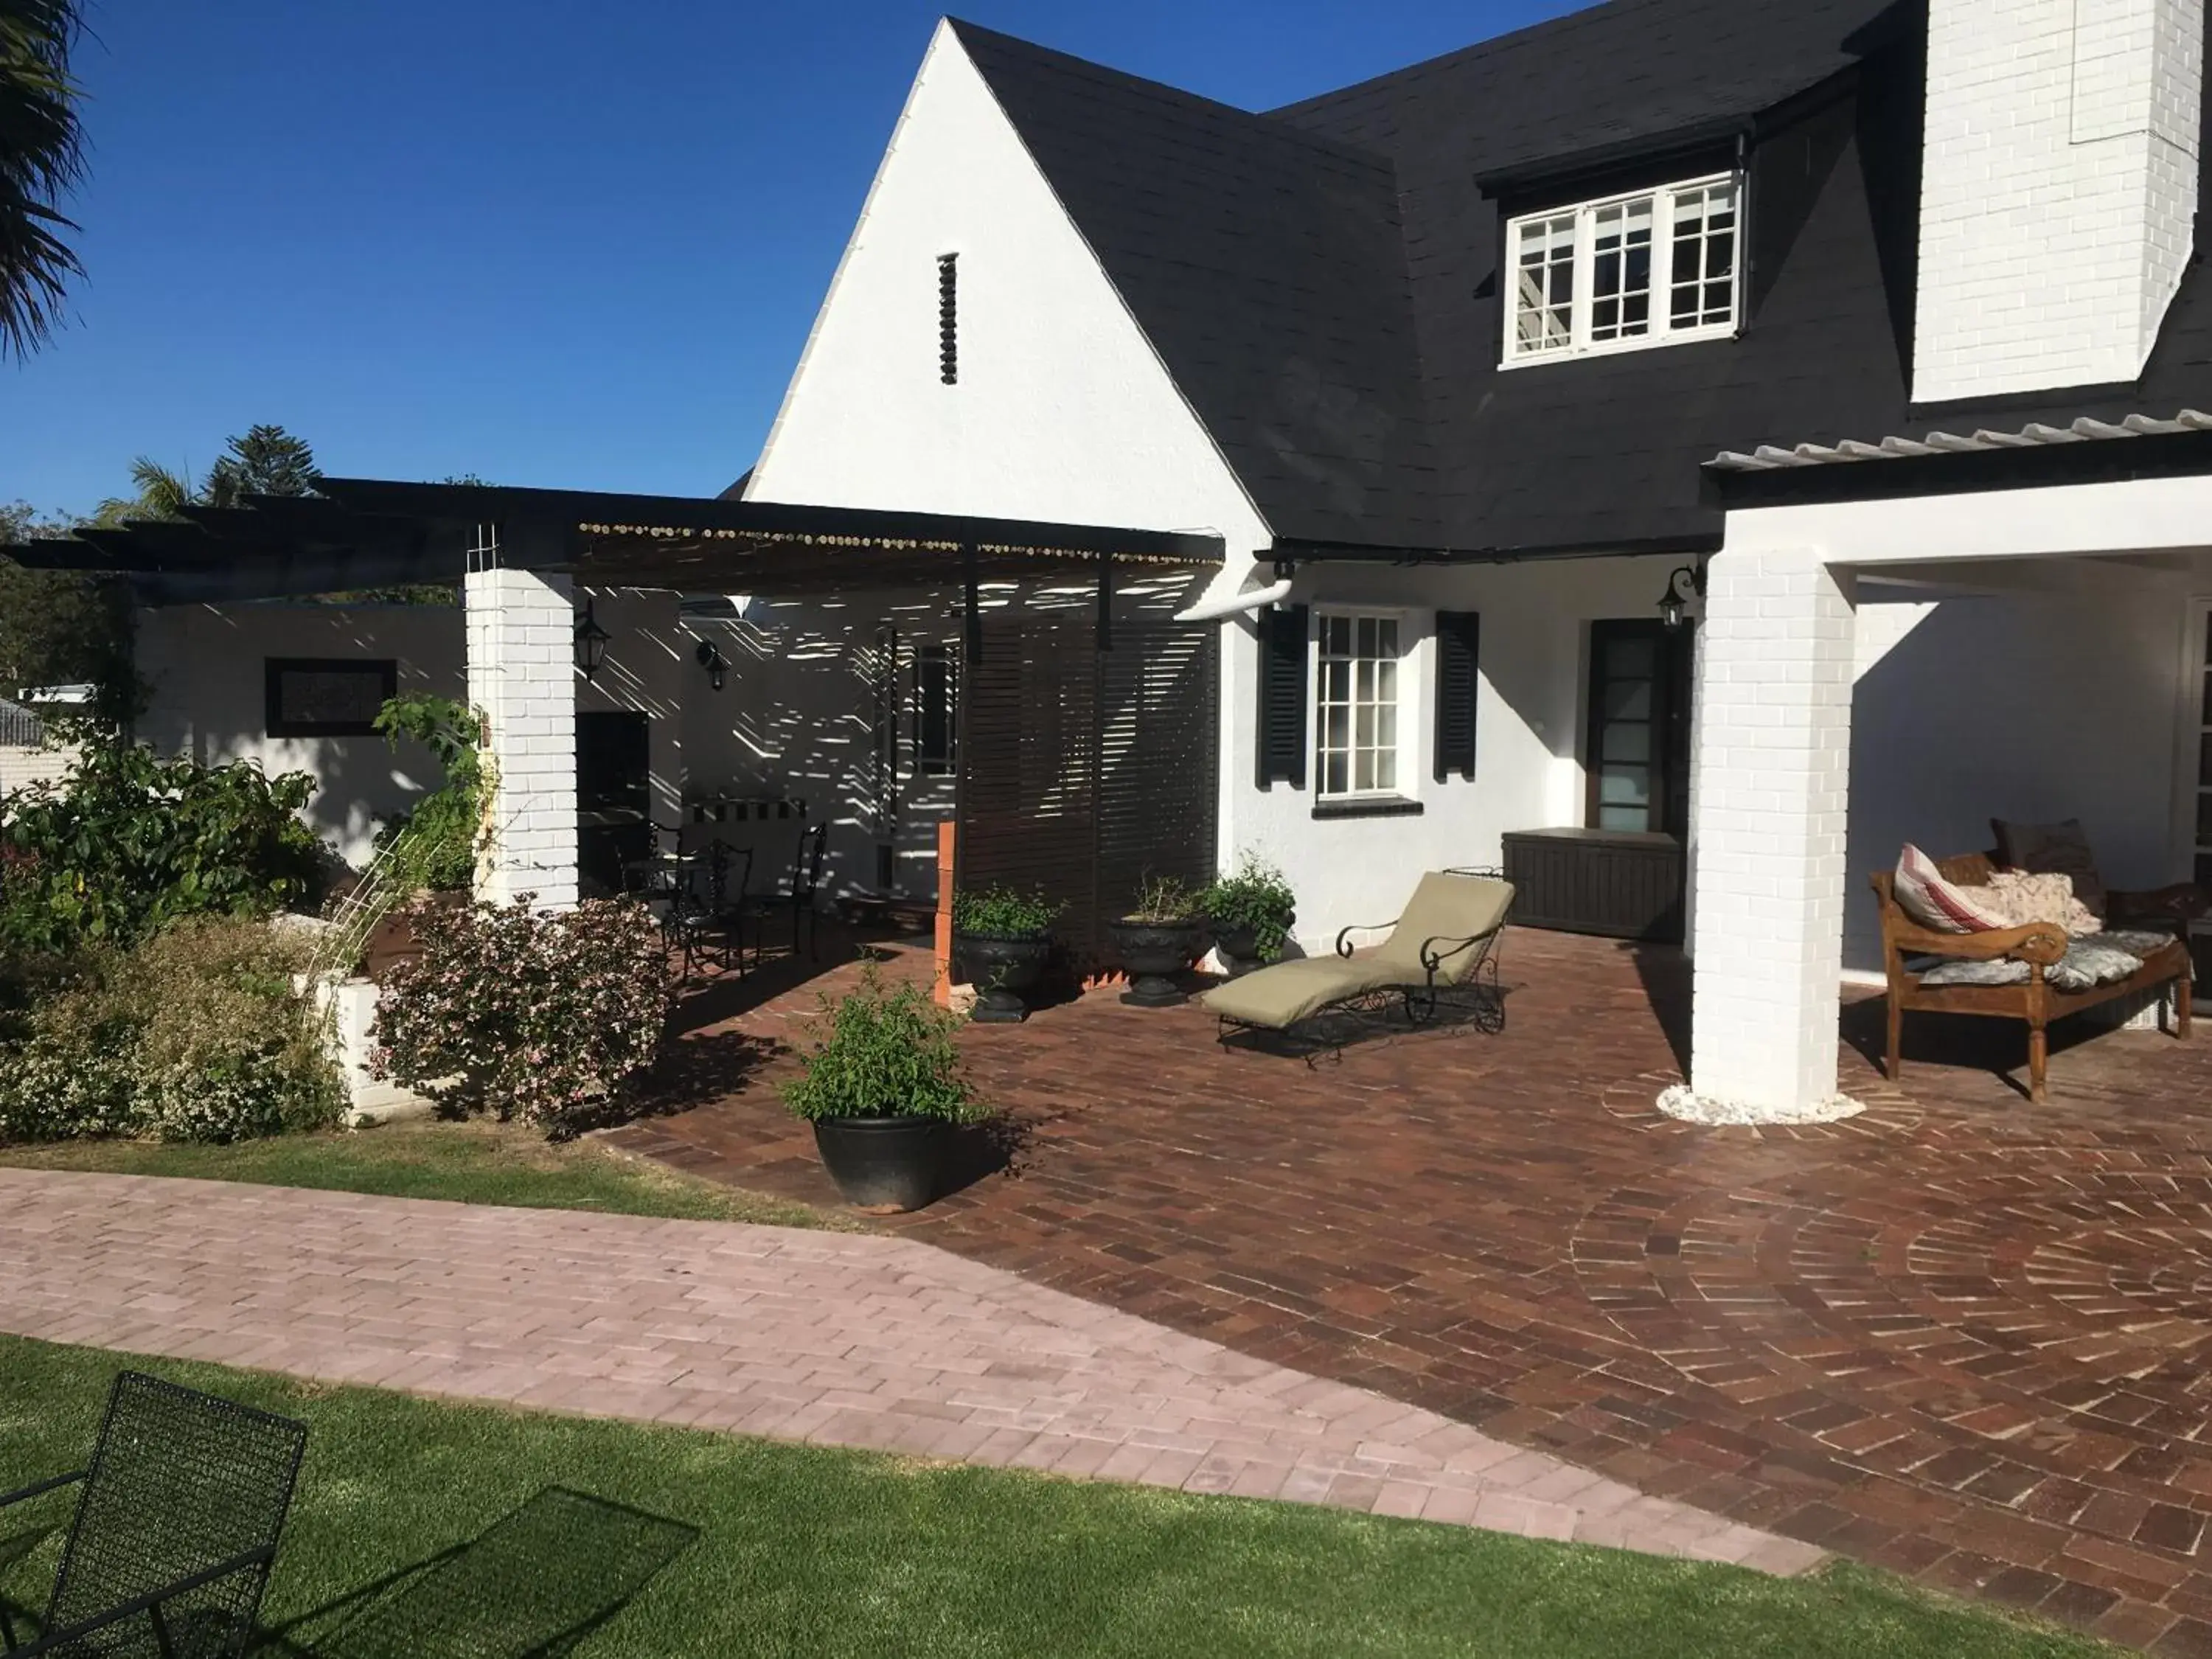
[1154, 952]
[883, 1165]
[1240, 949]
[1001, 967]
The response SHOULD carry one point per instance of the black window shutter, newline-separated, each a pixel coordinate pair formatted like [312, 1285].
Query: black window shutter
[1282, 743]
[1458, 658]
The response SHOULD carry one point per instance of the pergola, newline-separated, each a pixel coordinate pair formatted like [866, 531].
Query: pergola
[518, 555]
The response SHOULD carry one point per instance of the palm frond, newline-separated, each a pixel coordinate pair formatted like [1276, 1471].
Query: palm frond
[42, 157]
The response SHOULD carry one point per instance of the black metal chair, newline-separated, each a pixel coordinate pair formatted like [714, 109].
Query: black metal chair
[175, 1531]
[805, 883]
[706, 907]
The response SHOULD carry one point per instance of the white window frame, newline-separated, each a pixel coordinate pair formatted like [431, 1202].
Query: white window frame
[1663, 198]
[1401, 704]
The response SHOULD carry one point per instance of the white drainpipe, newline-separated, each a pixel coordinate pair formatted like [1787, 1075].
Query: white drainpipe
[1234, 603]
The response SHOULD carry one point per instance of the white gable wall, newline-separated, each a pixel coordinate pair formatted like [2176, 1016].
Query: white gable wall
[1062, 410]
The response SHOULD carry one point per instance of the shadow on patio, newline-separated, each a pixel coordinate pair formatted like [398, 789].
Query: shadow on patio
[1960, 1336]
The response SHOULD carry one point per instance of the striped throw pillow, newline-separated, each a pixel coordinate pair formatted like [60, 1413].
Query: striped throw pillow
[1940, 906]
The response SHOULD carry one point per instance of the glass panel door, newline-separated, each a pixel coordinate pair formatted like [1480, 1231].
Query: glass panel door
[1637, 755]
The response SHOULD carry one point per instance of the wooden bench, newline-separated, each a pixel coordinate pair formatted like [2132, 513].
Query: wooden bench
[2036, 1001]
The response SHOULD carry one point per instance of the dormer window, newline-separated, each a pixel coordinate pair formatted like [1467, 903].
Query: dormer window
[1656, 268]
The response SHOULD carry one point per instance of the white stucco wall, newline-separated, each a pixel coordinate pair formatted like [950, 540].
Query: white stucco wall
[1062, 410]
[205, 664]
[1535, 630]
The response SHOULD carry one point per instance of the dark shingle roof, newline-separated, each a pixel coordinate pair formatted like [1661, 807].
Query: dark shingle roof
[1267, 266]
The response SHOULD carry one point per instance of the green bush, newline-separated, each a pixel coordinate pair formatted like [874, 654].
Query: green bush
[1003, 912]
[549, 1018]
[882, 1052]
[197, 1033]
[126, 843]
[435, 846]
[1162, 900]
[1253, 896]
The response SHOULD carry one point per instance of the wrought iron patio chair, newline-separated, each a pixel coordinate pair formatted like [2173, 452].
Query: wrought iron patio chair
[706, 913]
[805, 883]
[175, 1531]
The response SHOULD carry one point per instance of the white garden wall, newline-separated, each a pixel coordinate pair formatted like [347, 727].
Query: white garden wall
[205, 664]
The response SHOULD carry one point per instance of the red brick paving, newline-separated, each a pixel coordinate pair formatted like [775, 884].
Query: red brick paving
[1961, 1336]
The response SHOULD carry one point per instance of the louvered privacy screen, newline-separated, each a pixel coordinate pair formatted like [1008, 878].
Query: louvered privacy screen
[1282, 745]
[1083, 771]
[1458, 659]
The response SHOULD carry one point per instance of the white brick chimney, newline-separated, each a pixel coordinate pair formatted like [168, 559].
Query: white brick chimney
[2059, 191]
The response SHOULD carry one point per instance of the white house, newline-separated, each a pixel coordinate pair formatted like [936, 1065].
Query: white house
[1869, 341]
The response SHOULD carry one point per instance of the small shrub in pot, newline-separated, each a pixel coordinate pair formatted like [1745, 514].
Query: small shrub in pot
[1159, 937]
[1001, 938]
[882, 1087]
[1251, 910]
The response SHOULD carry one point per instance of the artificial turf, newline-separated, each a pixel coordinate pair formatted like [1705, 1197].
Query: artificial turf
[476, 1162]
[424, 1528]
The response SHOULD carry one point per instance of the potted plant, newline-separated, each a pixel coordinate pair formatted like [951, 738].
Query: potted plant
[1001, 938]
[1158, 939]
[1252, 911]
[882, 1089]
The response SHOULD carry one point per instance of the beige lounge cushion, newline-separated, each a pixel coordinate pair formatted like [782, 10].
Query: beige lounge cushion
[1280, 996]
[1448, 910]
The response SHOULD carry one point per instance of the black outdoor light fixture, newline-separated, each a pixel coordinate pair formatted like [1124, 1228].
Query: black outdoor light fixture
[712, 659]
[590, 642]
[1687, 583]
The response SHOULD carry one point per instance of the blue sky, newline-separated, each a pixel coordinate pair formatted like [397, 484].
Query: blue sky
[546, 241]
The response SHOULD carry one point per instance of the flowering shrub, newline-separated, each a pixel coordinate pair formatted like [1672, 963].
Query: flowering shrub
[195, 1034]
[543, 1016]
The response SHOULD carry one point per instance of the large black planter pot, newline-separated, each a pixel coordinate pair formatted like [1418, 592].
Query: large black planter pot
[883, 1164]
[1001, 967]
[1154, 952]
[1240, 949]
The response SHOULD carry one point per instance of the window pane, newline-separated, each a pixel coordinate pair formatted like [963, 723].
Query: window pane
[1629, 740]
[1704, 260]
[1544, 284]
[1630, 656]
[1386, 680]
[1336, 681]
[1333, 775]
[1623, 817]
[1363, 773]
[1386, 725]
[1366, 636]
[1364, 682]
[1336, 727]
[1386, 769]
[1626, 700]
[1624, 786]
[1386, 636]
[1620, 269]
[1362, 730]
[1336, 636]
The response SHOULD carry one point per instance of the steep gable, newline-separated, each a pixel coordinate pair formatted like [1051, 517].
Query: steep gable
[1062, 409]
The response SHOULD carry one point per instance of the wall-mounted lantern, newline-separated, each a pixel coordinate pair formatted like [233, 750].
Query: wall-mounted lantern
[716, 664]
[1686, 584]
[590, 642]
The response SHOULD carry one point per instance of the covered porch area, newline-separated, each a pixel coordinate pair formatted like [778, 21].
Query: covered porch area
[1915, 641]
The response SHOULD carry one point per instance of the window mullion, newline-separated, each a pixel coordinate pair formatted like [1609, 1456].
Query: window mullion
[1578, 337]
[1662, 265]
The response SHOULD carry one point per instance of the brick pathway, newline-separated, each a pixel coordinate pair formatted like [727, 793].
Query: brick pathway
[830, 1338]
[1963, 1337]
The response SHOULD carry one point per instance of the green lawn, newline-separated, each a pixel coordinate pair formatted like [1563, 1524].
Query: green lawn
[496, 1533]
[476, 1162]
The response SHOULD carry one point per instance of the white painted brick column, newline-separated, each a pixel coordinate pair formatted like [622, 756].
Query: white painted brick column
[522, 675]
[1771, 783]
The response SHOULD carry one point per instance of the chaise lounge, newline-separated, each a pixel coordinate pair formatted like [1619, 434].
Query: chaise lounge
[1444, 942]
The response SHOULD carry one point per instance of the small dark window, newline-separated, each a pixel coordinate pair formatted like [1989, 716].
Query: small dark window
[1458, 659]
[327, 696]
[936, 711]
[948, 318]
